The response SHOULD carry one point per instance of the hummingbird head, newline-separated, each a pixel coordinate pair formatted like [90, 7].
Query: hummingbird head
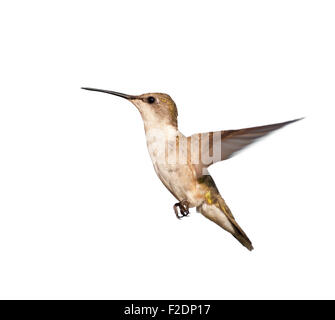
[156, 109]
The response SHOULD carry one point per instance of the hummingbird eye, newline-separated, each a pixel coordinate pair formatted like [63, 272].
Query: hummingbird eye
[151, 100]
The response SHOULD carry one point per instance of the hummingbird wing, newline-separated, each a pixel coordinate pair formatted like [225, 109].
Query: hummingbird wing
[221, 145]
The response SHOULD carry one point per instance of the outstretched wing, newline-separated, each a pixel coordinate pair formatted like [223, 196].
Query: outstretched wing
[216, 146]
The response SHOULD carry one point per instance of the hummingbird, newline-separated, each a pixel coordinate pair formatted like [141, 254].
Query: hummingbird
[182, 162]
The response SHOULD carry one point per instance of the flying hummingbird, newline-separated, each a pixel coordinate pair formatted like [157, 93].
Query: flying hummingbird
[181, 162]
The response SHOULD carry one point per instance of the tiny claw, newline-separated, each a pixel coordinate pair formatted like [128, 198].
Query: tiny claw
[175, 208]
[183, 209]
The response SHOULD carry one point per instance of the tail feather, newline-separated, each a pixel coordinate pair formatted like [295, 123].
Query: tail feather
[220, 213]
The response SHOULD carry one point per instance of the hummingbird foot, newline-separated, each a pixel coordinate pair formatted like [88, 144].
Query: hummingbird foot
[183, 207]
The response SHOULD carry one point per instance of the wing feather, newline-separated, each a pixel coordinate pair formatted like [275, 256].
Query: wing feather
[221, 145]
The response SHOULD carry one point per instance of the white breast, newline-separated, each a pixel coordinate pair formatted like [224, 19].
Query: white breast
[177, 177]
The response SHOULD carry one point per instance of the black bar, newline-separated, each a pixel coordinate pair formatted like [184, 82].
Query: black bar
[161, 309]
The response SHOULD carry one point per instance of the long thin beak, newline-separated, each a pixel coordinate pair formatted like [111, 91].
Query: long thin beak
[122, 95]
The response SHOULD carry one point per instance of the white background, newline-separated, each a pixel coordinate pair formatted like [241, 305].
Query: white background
[82, 213]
